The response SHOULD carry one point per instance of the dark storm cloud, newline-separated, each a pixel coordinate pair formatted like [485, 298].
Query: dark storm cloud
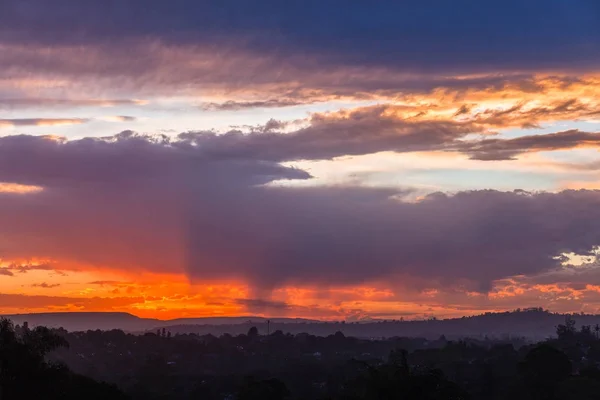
[131, 202]
[411, 35]
[349, 236]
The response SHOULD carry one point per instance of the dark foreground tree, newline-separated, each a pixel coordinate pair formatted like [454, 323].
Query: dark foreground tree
[25, 374]
[542, 372]
[268, 389]
[396, 380]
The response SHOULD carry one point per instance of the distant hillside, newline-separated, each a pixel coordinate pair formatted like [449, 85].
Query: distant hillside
[83, 321]
[531, 323]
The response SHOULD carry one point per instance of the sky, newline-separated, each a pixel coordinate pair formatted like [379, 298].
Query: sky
[319, 159]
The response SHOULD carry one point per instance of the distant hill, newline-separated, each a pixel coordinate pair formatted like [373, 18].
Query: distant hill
[83, 321]
[530, 323]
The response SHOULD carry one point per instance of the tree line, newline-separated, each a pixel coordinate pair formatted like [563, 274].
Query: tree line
[56, 364]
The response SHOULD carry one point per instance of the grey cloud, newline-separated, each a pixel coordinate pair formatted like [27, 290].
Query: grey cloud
[56, 162]
[509, 149]
[362, 131]
[477, 236]
[240, 105]
[374, 129]
[261, 305]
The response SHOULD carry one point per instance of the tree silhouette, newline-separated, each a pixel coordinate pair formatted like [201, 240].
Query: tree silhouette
[269, 389]
[252, 332]
[25, 374]
[566, 331]
[543, 369]
[395, 380]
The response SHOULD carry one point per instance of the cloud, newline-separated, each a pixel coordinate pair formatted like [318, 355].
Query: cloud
[24, 268]
[27, 102]
[424, 37]
[373, 129]
[45, 285]
[120, 118]
[359, 131]
[149, 68]
[283, 309]
[263, 306]
[524, 115]
[41, 122]
[138, 203]
[18, 122]
[6, 272]
[26, 302]
[61, 162]
[287, 61]
[240, 105]
[108, 283]
[509, 149]
[16, 188]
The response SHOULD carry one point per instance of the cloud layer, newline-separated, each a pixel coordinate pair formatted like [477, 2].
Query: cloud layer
[134, 202]
[294, 56]
[408, 35]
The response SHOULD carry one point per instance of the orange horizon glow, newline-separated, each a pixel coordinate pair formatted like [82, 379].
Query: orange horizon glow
[172, 296]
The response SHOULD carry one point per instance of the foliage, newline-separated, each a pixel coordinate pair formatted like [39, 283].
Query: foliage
[25, 374]
[282, 366]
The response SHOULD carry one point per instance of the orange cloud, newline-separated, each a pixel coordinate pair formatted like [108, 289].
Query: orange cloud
[15, 188]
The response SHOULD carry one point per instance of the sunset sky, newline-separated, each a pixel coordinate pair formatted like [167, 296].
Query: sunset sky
[321, 159]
